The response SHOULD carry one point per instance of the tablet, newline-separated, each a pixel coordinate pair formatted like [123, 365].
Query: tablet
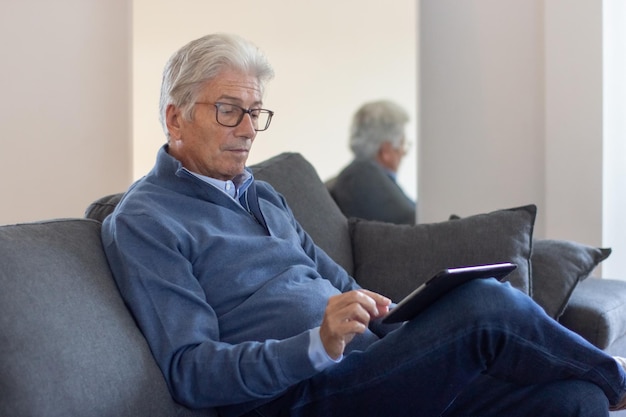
[441, 283]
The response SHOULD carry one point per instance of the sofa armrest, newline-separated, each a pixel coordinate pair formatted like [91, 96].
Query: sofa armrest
[597, 311]
[69, 345]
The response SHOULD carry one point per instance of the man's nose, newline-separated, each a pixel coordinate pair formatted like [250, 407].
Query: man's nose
[247, 125]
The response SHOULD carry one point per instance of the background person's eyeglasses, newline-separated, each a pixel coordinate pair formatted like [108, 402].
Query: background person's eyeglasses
[230, 115]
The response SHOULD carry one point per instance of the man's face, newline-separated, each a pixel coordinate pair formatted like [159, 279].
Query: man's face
[204, 146]
[390, 156]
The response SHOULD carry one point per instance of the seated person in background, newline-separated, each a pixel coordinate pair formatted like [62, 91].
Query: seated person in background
[242, 311]
[367, 187]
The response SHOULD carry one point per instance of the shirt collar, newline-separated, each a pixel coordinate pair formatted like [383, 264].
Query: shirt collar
[234, 188]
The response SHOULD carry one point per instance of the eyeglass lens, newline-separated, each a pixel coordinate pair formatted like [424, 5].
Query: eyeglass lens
[231, 115]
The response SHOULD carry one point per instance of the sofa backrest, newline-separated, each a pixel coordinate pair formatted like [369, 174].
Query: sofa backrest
[103, 206]
[296, 179]
[68, 345]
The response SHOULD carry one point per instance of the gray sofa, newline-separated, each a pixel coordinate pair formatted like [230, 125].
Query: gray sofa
[69, 347]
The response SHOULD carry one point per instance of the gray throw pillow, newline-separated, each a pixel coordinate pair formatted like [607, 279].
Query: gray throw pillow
[395, 259]
[557, 267]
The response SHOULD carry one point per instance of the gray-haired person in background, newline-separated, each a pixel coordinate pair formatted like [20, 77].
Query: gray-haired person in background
[367, 187]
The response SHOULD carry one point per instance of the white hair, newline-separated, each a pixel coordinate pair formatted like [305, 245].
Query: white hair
[200, 61]
[373, 124]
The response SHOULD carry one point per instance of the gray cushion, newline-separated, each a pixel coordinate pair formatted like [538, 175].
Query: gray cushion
[596, 311]
[557, 267]
[68, 346]
[296, 179]
[412, 254]
[103, 206]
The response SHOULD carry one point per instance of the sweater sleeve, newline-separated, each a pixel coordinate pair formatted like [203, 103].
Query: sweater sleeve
[182, 329]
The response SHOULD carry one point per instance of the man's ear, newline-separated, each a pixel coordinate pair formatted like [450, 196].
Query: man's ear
[173, 120]
[385, 153]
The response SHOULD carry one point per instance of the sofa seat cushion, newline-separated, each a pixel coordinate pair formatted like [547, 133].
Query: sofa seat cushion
[394, 259]
[68, 345]
[597, 311]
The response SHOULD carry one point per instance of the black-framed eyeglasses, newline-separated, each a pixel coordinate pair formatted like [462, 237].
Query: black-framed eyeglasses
[230, 115]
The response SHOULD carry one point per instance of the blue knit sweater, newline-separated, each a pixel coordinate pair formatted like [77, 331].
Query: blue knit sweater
[225, 304]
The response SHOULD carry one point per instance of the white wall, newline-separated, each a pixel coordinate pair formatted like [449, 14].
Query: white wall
[66, 80]
[614, 146]
[481, 102]
[65, 109]
[574, 134]
[515, 99]
[329, 57]
[510, 111]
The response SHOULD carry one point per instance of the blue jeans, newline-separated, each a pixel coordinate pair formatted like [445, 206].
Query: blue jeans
[485, 349]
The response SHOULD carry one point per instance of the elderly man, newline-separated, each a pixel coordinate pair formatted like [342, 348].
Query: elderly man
[367, 187]
[242, 311]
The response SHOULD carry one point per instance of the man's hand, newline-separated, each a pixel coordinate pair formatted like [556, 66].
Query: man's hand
[347, 315]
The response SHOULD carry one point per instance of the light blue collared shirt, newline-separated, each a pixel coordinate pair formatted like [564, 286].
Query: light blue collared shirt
[234, 188]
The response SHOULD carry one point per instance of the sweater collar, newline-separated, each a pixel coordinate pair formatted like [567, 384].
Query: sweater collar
[171, 171]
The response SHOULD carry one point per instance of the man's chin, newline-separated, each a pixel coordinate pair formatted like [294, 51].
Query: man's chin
[237, 170]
